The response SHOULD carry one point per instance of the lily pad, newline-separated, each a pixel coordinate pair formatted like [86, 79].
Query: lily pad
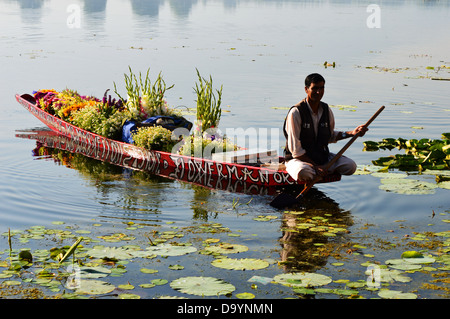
[389, 175]
[12, 283]
[445, 173]
[240, 264]
[126, 287]
[176, 267]
[103, 252]
[245, 295]
[407, 186]
[264, 218]
[304, 291]
[345, 107]
[260, 279]
[395, 294]
[94, 287]
[421, 260]
[159, 282]
[171, 250]
[390, 275]
[444, 185]
[94, 272]
[202, 286]
[148, 271]
[129, 296]
[409, 263]
[302, 279]
[225, 248]
[411, 254]
[147, 285]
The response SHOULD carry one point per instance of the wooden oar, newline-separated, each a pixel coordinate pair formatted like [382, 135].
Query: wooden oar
[285, 200]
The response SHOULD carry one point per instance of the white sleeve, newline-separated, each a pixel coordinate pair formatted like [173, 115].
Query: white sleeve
[293, 128]
[334, 134]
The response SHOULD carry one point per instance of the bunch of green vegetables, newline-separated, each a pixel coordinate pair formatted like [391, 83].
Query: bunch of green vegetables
[208, 105]
[144, 99]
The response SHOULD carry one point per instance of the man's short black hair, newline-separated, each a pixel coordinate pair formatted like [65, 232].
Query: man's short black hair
[313, 78]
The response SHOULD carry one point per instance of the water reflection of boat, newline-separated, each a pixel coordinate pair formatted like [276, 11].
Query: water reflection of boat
[49, 143]
[203, 171]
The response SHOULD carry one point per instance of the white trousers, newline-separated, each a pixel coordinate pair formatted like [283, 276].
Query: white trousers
[302, 171]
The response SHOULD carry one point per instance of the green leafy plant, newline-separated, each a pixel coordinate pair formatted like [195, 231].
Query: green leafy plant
[419, 154]
[100, 120]
[155, 138]
[208, 105]
[71, 250]
[204, 147]
[152, 99]
[144, 99]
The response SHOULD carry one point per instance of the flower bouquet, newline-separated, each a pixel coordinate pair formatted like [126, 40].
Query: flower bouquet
[104, 117]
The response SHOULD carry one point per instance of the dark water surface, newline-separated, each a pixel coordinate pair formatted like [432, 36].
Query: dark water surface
[260, 51]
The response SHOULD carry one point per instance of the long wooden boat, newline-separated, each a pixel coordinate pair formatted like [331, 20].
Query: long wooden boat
[172, 165]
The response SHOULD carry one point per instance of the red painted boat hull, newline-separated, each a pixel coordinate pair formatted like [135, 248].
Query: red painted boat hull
[174, 166]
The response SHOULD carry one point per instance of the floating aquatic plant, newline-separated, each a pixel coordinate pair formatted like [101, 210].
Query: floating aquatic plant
[171, 250]
[407, 186]
[351, 108]
[303, 279]
[433, 154]
[96, 270]
[94, 287]
[202, 286]
[245, 295]
[426, 156]
[226, 248]
[71, 250]
[114, 253]
[240, 264]
[396, 294]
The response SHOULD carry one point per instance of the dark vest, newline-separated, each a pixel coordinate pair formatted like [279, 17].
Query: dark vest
[316, 147]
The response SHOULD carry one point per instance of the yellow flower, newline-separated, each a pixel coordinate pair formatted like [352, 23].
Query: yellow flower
[48, 90]
[74, 107]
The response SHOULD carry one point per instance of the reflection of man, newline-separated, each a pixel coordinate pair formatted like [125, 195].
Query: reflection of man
[306, 249]
[309, 128]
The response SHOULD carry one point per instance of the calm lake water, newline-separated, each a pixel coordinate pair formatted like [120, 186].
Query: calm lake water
[260, 51]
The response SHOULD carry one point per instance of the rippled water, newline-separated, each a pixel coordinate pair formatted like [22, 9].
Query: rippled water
[260, 51]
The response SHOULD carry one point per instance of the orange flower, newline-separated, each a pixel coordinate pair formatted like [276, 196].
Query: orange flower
[48, 90]
[74, 107]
